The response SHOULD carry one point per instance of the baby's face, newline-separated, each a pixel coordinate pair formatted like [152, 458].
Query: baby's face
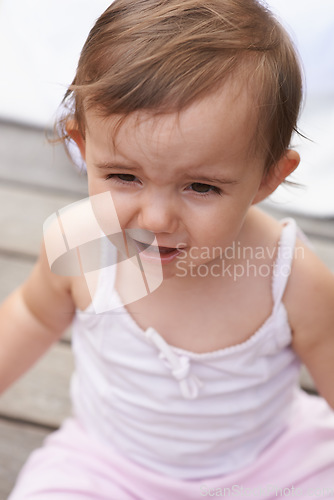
[189, 178]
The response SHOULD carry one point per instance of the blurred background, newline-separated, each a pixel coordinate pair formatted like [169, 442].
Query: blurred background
[40, 42]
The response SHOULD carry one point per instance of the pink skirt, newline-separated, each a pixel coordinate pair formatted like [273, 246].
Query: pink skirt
[74, 466]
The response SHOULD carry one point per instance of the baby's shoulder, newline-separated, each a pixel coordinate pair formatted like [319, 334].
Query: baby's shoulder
[310, 283]
[310, 286]
[309, 298]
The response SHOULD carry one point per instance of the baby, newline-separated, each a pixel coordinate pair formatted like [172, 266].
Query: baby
[183, 112]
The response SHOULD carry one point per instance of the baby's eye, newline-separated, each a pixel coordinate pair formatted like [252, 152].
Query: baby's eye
[199, 187]
[122, 177]
[126, 177]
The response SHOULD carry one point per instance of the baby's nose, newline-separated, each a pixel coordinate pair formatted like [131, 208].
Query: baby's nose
[158, 214]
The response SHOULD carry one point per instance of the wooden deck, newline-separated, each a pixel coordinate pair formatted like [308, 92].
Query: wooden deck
[37, 179]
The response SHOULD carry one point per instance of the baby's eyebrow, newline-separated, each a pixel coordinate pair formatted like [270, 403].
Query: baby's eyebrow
[116, 165]
[212, 180]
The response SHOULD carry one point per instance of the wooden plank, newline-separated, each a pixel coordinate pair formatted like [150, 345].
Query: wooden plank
[42, 395]
[27, 157]
[13, 272]
[17, 441]
[22, 215]
[312, 226]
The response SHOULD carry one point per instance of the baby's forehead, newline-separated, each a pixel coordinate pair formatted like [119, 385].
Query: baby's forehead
[233, 101]
[222, 121]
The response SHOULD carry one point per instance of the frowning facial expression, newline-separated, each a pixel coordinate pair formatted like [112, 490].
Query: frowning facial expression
[187, 177]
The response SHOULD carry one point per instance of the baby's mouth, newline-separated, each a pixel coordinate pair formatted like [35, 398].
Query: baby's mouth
[154, 249]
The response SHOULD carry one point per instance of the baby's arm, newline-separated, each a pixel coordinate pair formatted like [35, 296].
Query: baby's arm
[31, 319]
[309, 300]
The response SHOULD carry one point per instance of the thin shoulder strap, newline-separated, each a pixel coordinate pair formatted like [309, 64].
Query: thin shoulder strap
[285, 254]
[103, 297]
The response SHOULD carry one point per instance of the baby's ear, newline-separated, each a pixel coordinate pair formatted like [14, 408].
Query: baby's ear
[74, 133]
[283, 168]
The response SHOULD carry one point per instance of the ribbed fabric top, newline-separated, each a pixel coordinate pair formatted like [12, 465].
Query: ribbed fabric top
[185, 414]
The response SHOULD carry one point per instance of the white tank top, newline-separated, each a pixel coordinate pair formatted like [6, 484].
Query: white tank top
[185, 414]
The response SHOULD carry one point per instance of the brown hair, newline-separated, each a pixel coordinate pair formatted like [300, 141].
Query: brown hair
[162, 55]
